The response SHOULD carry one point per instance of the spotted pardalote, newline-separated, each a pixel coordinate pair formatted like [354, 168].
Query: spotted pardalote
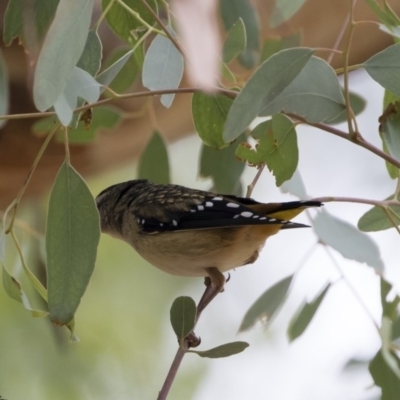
[191, 232]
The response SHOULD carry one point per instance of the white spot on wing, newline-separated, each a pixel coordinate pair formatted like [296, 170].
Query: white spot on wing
[209, 204]
[263, 218]
[200, 208]
[246, 214]
[174, 223]
[217, 198]
[232, 205]
[236, 216]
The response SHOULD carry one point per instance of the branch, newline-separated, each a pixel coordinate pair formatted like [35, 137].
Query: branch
[377, 203]
[357, 139]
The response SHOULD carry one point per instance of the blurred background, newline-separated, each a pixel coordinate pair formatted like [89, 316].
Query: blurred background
[126, 343]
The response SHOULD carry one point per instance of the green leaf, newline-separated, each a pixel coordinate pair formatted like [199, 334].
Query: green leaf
[389, 301]
[153, 163]
[384, 377]
[80, 85]
[209, 116]
[314, 94]
[231, 11]
[266, 84]
[162, 68]
[386, 15]
[384, 68]
[357, 104]
[376, 219]
[235, 42]
[275, 45]
[13, 288]
[225, 350]
[90, 60]
[4, 95]
[124, 24]
[28, 20]
[61, 51]
[183, 316]
[223, 167]
[386, 337]
[267, 304]
[283, 11]
[72, 236]
[103, 118]
[276, 148]
[390, 131]
[304, 316]
[108, 75]
[347, 240]
[128, 73]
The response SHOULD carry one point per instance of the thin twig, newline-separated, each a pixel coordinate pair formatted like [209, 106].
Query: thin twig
[255, 180]
[378, 203]
[338, 39]
[358, 140]
[162, 395]
[163, 27]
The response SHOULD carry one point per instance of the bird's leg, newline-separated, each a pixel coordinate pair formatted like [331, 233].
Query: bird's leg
[214, 284]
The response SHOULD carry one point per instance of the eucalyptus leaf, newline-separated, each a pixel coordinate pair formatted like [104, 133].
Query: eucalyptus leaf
[126, 25]
[225, 350]
[384, 377]
[235, 42]
[231, 11]
[183, 316]
[209, 116]
[274, 45]
[72, 236]
[295, 186]
[386, 350]
[80, 85]
[347, 240]
[384, 68]
[154, 163]
[357, 104]
[276, 148]
[61, 51]
[267, 304]
[39, 13]
[315, 94]
[223, 167]
[376, 219]
[283, 11]
[304, 316]
[264, 86]
[4, 92]
[90, 60]
[162, 68]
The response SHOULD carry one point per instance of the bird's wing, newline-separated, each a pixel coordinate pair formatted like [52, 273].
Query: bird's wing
[193, 210]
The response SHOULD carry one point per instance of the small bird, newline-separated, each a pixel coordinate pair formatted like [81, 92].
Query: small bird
[190, 232]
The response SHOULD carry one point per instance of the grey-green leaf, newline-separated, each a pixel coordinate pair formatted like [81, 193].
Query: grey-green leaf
[80, 85]
[283, 11]
[209, 116]
[315, 94]
[162, 68]
[376, 219]
[183, 316]
[154, 163]
[304, 316]
[347, 240]
[4, 95]
[61, 50]
[225, 350]
[357, 104]
[235, 42]
[28, 20]
[223, 167]
[384, 68]
[90, 60]
[266, 84]
[276, 44]
[72, 236]
[231, 11]
[267, 304]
